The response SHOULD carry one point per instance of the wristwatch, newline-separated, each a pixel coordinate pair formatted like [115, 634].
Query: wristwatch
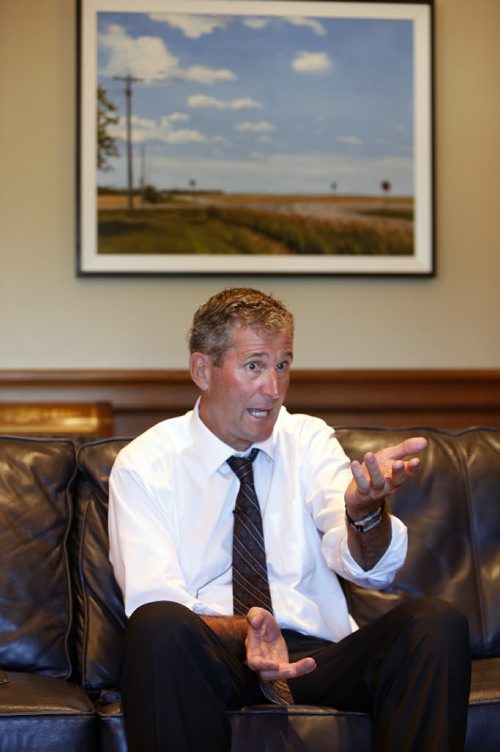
[366, 523]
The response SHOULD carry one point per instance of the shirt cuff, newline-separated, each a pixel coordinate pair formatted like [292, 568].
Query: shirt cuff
[338, 557]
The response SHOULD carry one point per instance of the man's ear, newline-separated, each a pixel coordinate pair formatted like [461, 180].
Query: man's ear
[200, 368]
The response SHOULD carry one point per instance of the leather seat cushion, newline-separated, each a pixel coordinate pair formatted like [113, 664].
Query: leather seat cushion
[44, 714]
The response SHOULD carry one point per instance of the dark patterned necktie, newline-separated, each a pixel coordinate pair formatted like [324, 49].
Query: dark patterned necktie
[250, 580]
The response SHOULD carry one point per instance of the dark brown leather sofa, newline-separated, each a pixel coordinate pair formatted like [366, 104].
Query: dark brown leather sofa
[61, 614]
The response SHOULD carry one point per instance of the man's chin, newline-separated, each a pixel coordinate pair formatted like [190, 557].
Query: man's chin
[261, 428]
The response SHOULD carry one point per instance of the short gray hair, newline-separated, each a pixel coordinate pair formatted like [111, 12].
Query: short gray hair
[213, 323]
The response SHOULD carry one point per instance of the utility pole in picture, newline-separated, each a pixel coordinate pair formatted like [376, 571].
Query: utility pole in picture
[129, 80]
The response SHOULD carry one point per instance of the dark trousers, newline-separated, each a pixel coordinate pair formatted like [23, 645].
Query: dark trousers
[410, 669]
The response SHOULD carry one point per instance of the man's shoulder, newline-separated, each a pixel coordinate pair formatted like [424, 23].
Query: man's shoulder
[306, 440]
[300, 425]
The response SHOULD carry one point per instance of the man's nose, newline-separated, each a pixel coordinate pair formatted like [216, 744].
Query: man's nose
[270, 384]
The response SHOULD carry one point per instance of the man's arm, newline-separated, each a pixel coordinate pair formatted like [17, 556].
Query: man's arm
[232, 630]
[379, 476]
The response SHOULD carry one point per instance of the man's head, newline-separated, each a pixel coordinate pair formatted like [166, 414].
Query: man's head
[241, 345]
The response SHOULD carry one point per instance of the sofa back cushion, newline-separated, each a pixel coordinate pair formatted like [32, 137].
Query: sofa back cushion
[480, 454]
[452, 510]
[99, 612]
[35, 597]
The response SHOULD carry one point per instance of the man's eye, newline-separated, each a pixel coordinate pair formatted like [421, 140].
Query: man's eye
[283, 366]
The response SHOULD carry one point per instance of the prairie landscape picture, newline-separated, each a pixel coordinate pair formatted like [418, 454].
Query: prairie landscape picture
[254, 134]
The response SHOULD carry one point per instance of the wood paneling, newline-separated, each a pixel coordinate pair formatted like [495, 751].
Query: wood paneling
[448, 399]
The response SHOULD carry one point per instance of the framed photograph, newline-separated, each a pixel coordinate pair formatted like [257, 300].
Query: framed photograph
[249, 137]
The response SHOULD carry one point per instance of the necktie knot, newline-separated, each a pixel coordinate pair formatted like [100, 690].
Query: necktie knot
[242, 466]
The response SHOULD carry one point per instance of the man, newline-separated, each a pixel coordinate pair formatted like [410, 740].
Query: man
[199, 639]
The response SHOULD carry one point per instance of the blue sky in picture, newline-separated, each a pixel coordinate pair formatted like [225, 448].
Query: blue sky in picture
[261, 104]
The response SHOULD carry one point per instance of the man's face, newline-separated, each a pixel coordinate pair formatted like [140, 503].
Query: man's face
[242, 397]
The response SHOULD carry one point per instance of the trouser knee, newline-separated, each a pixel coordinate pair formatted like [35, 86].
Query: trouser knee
[164, 618]
[437, 614]
[163, 632]
[437, 620]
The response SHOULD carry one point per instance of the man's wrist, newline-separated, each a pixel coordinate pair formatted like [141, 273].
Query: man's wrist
[367, 522]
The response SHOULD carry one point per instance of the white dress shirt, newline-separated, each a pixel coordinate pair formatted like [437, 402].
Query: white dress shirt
[171, 498]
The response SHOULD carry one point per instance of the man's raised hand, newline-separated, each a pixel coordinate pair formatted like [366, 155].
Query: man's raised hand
[381, 473]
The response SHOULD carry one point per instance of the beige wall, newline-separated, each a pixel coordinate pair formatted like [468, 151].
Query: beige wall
[49, 318]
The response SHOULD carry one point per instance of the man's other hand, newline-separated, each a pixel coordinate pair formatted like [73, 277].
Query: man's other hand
[266, 650]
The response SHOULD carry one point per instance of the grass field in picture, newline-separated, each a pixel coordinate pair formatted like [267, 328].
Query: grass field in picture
[265, 225]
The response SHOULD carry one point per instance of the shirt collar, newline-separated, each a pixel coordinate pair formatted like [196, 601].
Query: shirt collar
[212, 451]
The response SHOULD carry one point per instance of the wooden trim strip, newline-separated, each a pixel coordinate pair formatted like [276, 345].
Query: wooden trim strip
[444, 398]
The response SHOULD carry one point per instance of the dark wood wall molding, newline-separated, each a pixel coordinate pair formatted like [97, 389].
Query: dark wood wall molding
[449, 399]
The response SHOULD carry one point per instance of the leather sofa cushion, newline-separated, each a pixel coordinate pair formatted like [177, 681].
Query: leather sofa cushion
[480, 455]
[100, 618]
[111, 724]
[268, 728]
[45, 714]
[483, 723]
[35, 598]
